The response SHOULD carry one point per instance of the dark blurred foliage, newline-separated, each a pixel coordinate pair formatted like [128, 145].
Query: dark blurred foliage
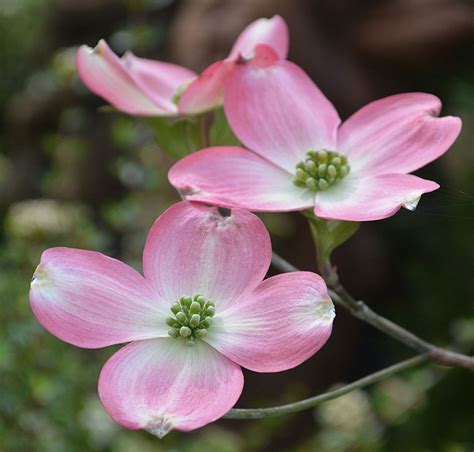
[73, 175]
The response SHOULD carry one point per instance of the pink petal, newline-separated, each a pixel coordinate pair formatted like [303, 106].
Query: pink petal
[277, 111]
[397, 134]
[162, 384]
[205, 92]
[160, 81]
[91, 300]
[192, 249]
[272, 32]
[106, 75]
[371, 198]
[235, 177]
[282, 323]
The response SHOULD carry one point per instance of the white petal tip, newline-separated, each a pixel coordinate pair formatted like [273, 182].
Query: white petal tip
[88, 49]
[325, 311]
[39, 276]
[98, 49]
[160, 427]
[411, 204]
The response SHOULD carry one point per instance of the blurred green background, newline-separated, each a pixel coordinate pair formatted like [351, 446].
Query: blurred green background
[73, 175]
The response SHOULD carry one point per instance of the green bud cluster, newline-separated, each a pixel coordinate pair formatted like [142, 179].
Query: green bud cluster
[321, 169]
[192, 317]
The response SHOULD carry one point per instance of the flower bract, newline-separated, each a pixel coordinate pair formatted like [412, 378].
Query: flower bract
[200, 312]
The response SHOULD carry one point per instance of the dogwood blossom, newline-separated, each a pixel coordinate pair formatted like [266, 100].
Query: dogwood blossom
[300, 156]
[201, 310]
[140, 86]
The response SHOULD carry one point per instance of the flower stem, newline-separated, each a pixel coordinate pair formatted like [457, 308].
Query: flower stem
[301, 405]
[360, 310]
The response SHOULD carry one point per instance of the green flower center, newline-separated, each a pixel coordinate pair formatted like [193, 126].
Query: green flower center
[321, 169]
[192, 317]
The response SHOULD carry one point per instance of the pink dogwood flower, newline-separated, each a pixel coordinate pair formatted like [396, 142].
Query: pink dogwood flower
[139, 86]
[200, 312]
[300, 156]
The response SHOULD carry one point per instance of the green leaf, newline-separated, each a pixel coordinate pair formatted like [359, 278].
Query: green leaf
[176, 137]
[329, 234]
[220, 133]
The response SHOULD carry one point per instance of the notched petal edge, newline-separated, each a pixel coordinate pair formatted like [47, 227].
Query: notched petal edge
[326, 311]
[159, 426]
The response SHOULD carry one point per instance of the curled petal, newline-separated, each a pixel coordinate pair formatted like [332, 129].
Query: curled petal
[236, 177]
[282, 323]
[106, 75]
[91, 300]
[162, 384]
[194, 248]
[371, 198]
[277, 111]
[160, 81]
[272, 32]
[397, 134]
[206, 91]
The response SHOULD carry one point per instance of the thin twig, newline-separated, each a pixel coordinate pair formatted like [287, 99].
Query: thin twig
[360, 310]
[301, 405]
[282, 264]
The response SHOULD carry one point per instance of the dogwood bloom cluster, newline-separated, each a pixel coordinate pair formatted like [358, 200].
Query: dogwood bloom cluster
[200, 312]
[202, 309]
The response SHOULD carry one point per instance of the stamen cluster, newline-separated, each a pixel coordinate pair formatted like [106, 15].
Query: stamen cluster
[321, 169]
[192, 317]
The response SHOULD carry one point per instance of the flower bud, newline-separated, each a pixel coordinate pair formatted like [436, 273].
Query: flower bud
[195, 308]
[311, 183]
[322, 169]
[170, 321]
[309, 166]
[181, 317]
[210, 311]
[200, 299]
[175, 308]
[301, 174]
[173, 333]
[323, 184]
[207, 322]
[331, 172]
[184, 331]
[186, 301]
[343, 171]
[322, 156]
[194, 321]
